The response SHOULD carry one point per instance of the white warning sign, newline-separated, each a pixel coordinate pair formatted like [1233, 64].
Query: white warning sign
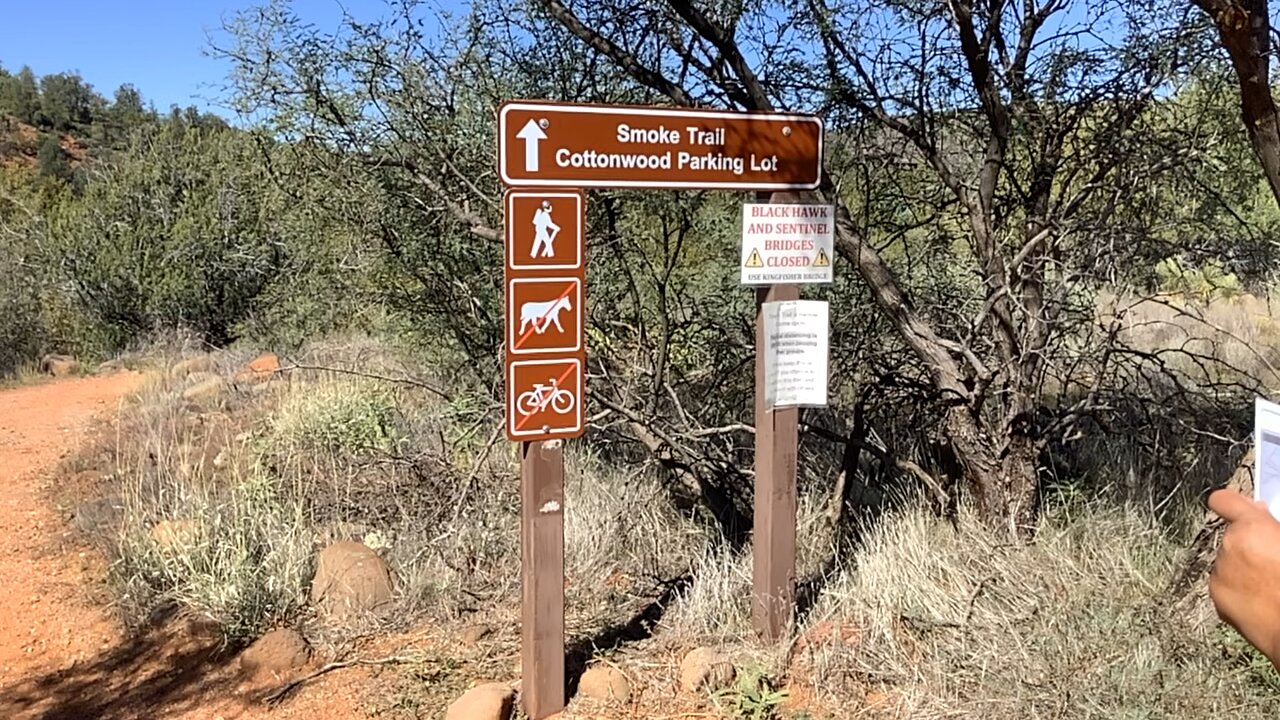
[796, 343]
[787, 243]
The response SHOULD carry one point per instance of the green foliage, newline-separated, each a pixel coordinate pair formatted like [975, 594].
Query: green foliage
[66, 102]
[339, 417]
[180, 231]
[20, 96]
[52, 159]
[1240, 654]
[1208, 282]
[753, 697]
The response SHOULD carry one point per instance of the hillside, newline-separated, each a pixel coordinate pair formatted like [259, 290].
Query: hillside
[20, 145]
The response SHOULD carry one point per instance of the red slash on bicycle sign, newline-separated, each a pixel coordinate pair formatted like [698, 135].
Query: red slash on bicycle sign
[549, 401]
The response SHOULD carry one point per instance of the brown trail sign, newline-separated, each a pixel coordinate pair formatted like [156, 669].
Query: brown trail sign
[618, 146]
[547, 145]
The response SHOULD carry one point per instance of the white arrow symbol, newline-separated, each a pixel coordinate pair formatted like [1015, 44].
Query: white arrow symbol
[531, 134]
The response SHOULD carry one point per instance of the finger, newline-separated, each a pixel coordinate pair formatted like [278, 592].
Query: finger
[1231, 506]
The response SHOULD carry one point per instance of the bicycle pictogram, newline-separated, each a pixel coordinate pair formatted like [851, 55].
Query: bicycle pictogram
[546, 395]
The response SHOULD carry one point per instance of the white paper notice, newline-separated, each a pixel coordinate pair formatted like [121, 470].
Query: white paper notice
[796, 343]
[1266, 458]
[787, 243]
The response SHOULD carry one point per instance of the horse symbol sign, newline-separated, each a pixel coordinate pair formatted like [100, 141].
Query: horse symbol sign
[546, 315]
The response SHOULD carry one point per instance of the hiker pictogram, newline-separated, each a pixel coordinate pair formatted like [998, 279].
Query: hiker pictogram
[545, 397]
[753, 260]
[545, 315]
[544, 230]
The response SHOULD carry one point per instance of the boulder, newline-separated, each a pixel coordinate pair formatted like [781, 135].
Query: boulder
[260, 369]
[603, 682]
[173, 535]
[706, 670]
[205, 390]
[492, 701]
[198, 364]
[59, 365]
[351, 581]
[278, 651]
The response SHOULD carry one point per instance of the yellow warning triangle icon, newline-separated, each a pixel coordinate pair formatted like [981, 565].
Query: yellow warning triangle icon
[822, 260]
[753, 260]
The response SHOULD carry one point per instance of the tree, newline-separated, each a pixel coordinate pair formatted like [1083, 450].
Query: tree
[1019, 134]
[1244, 30]
[127, 110]
[66, 101]
[993, 169]
[52, 161]
[19, 95]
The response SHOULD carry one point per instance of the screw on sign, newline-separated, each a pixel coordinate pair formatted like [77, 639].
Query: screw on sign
[545, 398]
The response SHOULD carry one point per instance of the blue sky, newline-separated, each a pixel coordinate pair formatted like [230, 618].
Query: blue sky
[157, 45]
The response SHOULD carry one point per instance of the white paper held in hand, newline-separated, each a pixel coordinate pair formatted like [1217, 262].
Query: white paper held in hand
[1266, 456]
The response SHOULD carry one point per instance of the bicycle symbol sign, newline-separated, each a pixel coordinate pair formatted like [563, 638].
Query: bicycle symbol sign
[545, 397]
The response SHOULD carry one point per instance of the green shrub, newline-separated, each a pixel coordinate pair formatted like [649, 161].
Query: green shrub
[1208, 282]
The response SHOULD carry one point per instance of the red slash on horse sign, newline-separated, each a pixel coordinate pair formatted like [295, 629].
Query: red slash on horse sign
[544, 315]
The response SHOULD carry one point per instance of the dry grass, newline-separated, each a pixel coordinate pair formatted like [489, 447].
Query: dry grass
[1232, 339]
[950, 623]
[258, 481]
[933, 620]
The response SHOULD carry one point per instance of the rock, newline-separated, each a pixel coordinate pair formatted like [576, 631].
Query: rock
[260, 369]
[278, 651]
[59, 365]
[492, 701]
[111, 367]
[706, 670]
[475, 633]
[603, 682]
[204, 390]
[198, 364]
[351, 580]
[173, 535]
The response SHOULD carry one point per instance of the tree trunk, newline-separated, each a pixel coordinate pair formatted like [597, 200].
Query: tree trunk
[1244, 29]
[1005, 488]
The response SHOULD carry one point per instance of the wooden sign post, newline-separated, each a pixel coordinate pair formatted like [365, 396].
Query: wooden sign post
[545, 279]
[542, 577]
[543, 146]
[773, 535]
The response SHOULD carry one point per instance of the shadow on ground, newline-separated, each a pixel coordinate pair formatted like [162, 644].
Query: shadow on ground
[638, 627]
[166, 669]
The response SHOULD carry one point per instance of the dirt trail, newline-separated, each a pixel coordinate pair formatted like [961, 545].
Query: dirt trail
[62, 655]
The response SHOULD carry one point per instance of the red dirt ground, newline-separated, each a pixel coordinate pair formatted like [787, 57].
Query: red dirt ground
[63, 655]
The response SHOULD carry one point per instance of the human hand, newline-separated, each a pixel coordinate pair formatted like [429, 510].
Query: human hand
[1245, 582]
